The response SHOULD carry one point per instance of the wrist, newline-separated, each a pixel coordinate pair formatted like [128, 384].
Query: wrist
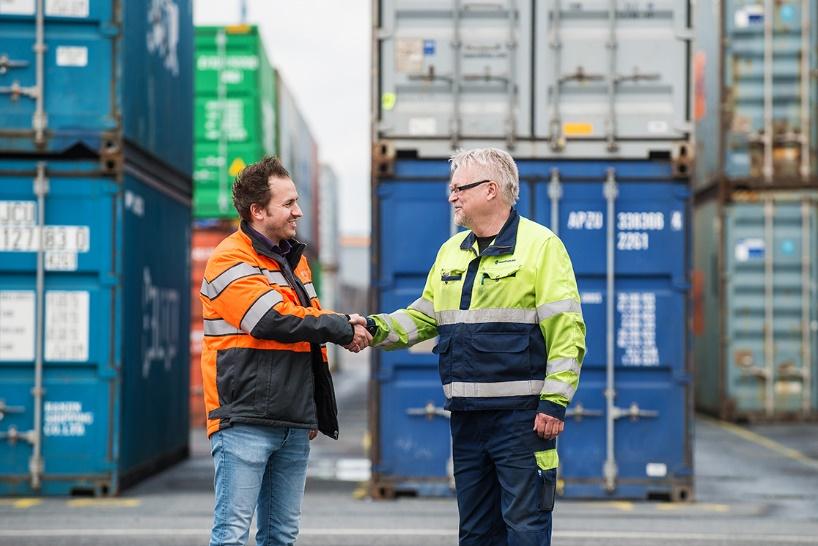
[371, 326]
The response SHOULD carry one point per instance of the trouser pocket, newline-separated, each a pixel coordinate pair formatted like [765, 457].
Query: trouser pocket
[549, 489]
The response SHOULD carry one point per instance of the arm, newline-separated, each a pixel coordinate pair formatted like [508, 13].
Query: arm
[562, 327]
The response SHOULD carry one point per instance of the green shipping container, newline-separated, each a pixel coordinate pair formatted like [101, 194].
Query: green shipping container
[235, 118]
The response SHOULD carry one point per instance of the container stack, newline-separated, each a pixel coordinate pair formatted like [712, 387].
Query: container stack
[243, 111]
[95, 197]
[593, 104]
[756, 199]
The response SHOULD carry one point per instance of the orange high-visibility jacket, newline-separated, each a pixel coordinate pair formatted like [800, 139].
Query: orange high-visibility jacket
[262, 357]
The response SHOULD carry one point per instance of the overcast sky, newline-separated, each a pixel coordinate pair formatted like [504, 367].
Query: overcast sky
[322, 49]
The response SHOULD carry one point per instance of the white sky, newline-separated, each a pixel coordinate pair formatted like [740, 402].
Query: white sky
[322, 49]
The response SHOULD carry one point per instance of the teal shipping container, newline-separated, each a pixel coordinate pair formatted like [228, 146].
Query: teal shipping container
[755, 320]
[94, 321]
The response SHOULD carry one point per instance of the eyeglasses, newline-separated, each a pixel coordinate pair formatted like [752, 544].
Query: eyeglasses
[457, 190]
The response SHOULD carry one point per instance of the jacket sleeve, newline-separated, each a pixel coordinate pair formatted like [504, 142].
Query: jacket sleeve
[239, 293]
[560, 317]
[406, 327]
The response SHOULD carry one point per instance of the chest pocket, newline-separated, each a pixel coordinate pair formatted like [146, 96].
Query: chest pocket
[499, 272]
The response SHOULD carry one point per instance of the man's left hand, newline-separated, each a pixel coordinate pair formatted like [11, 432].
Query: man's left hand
[547, 427]
[313, 434]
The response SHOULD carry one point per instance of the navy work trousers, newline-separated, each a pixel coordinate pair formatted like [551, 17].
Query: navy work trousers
[502, 495]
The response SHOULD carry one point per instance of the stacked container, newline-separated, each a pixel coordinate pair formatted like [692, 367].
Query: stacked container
[95, 194]
[592, 100]
[755, 321]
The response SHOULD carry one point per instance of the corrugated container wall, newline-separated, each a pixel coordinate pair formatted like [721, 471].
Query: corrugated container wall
[110, 71]
[299, 153]
[756, 312]
[755, 92]
[640, 445]
[114, 353]
[543, 79]
[235, 115]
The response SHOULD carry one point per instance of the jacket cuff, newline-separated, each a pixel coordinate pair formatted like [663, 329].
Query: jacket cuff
[350, 335]
[550, 408]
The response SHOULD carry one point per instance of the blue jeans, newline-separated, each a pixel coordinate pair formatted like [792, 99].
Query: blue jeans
[261, 469]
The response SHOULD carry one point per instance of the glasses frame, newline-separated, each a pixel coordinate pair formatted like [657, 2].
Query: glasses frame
[457, 190]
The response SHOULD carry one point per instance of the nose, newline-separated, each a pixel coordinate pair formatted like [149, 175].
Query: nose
[453, 197]
[296, 211]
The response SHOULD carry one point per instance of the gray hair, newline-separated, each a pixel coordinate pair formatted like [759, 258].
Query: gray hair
[496, 164]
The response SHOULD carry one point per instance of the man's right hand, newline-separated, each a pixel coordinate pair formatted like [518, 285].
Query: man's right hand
[355, 318]
[361, 337]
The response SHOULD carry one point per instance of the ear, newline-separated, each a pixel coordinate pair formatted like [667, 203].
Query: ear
[257, 211]
[494, 191]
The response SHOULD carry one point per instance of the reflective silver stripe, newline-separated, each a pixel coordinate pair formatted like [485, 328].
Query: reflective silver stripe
[477, 316]
[311, 290]
[391, 336]
[548, 310]
[408, 325]
[424, 306]
[216, 286]
[275, 277]
[562, 365]
[492, 390]
[552, 386]
[259, 309]
[220, 328]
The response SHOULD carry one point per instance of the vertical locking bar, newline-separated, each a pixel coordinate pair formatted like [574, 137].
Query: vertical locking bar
[555, 194]
[806, 303]
[221, 95]
[35, 465]
[611, 45]
[511, 126]
[767, 169]
[610, 470]
[769, 347]
[39, 120]
[806, 79]
[457, 51]
[555, 43]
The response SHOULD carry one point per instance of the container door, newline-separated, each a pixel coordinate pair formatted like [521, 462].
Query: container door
[80, 329]
[609, 73]
[770, 253]
[770, 88]
[77, 57]
[452, 70]
[648, 451]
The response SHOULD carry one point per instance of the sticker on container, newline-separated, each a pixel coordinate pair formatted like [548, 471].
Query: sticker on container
[66, 8]
[591, 297]
[18, 213]
[16, 7]
[574, 129]
[60, 261]
[657, 127]
[409, 55]
[422, 126]
[236, 166]
[788, 247]
[17, 325]
[788, 387]
[749, 249]
[428, 47]
[749, 15]
[656, 470]
[66, 325]
[388, 101]
[72, 56]
[66, 418]
[636, 336]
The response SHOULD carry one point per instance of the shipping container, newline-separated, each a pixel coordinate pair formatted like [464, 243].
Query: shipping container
[102, 75]
[93, 321]
[625, 225]
[235, 113]
[298, 152]
[588, 79]
[755, 92]
[755, 327]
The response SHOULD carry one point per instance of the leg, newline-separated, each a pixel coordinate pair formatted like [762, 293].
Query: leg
[478, 494]
[282, 491]
[523, 483]
[240, 455]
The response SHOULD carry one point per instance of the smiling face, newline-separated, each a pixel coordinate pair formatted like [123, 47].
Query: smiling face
[472, 203]
[277, 221]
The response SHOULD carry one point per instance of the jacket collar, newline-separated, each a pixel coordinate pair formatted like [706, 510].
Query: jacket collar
[263, 246]
[504, 243]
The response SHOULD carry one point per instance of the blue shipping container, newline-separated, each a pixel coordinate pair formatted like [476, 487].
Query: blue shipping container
[110, 71]
[114, 329]
[641, 445]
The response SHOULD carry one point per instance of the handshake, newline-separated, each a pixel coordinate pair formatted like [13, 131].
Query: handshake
[362, 338]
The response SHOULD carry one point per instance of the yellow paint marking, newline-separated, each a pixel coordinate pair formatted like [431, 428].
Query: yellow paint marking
[763, 441]
[577, 129]
[26, 503]
[113, 503]
[625, 506]
[366, 442]
[360, 493]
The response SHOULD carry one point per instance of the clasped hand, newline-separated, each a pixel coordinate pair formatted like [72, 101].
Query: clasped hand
[362, 338]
